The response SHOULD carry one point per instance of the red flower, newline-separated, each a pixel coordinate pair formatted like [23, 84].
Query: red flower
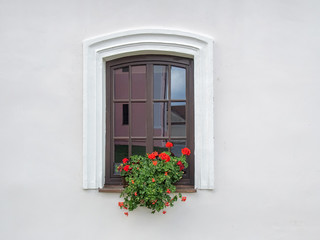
[120, 204]
[126, 213]
[154, 202]
[164, 156]
[180, 164]
[169, 144]
[155, 153]
[183, 199]
[164, 212]
[181, 167]
[132, 181]
[168, 190]
[151, 156]
[154, 163]
[125, 160]
[153, 180]
[126, 168]
[125, 207]
[186, 151]
[167, 204]
[135, 193]
[165, 173]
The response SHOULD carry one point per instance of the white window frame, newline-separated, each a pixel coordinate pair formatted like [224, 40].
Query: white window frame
[98, 50]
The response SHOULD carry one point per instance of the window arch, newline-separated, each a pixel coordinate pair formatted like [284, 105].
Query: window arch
[97, 51]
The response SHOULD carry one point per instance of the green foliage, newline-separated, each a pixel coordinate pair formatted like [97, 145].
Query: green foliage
[151, 180]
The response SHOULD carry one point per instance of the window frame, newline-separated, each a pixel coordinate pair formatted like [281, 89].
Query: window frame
[98, 50]
[149, 61]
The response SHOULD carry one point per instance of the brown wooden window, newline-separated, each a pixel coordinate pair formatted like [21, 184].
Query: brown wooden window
[149, 102]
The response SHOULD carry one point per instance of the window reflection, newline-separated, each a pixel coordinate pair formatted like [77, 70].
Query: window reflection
[121, 151]
[178, 83]
[160, 82]
[120, 129]
[160, 119]
[178, 119]
[138, 118]
[121, 83]
[138, 147]
[138, 79]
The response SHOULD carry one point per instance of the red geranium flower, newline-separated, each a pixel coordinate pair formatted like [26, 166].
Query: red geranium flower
[153, 180]
[132, 181]
[154, 163]
[126, 213]
[183, 199]
[135, 193]
[155, 153]
[181, 167]
[180, 164]
[164, 212]
[167, 204]
[125, 160]
[120, 204]
[169, 144]
[186, 151]
[168, 190]
[126, 168]
[165, 173]
[151, 156]
[164, 156]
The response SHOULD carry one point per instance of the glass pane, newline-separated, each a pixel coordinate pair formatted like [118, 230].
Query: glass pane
[139, 80]
[160, 82]
[178, 119]
[121, 128]
[121, 83]
[160, 119]
[177, 146]
[121, 151]
[160, 145]
[138, 147]
[178, 83]
[138, 116]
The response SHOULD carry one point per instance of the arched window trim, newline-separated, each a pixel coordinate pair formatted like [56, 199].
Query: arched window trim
[97, 51]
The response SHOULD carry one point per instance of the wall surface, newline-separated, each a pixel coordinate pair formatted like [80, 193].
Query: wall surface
[267, 132]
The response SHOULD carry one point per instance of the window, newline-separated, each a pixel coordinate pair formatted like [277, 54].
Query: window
[101, 49]
[149, 102]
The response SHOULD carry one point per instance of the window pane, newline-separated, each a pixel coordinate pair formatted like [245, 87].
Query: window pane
[121, 129]
[121, 83]
[178, 119]
[160, 82]
[160, 119]
[177, 146]
[159, 145]
[178, 83]
[138, 117]
[138, 147]
[139, 79]
[121, 151]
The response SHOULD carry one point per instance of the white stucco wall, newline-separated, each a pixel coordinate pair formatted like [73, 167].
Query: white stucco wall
[267, 134]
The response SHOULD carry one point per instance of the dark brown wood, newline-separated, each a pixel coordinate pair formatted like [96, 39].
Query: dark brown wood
[149, 61]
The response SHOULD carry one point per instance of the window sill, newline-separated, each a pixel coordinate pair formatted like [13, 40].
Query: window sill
[118, 189]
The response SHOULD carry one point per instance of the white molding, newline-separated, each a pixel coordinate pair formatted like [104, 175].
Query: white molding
[98, 50]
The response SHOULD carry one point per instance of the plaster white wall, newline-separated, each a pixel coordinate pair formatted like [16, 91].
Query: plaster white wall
[267, 134]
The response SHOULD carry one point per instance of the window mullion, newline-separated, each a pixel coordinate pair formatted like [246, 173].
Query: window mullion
[169, 102]
[149, 88]
[130, 113]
